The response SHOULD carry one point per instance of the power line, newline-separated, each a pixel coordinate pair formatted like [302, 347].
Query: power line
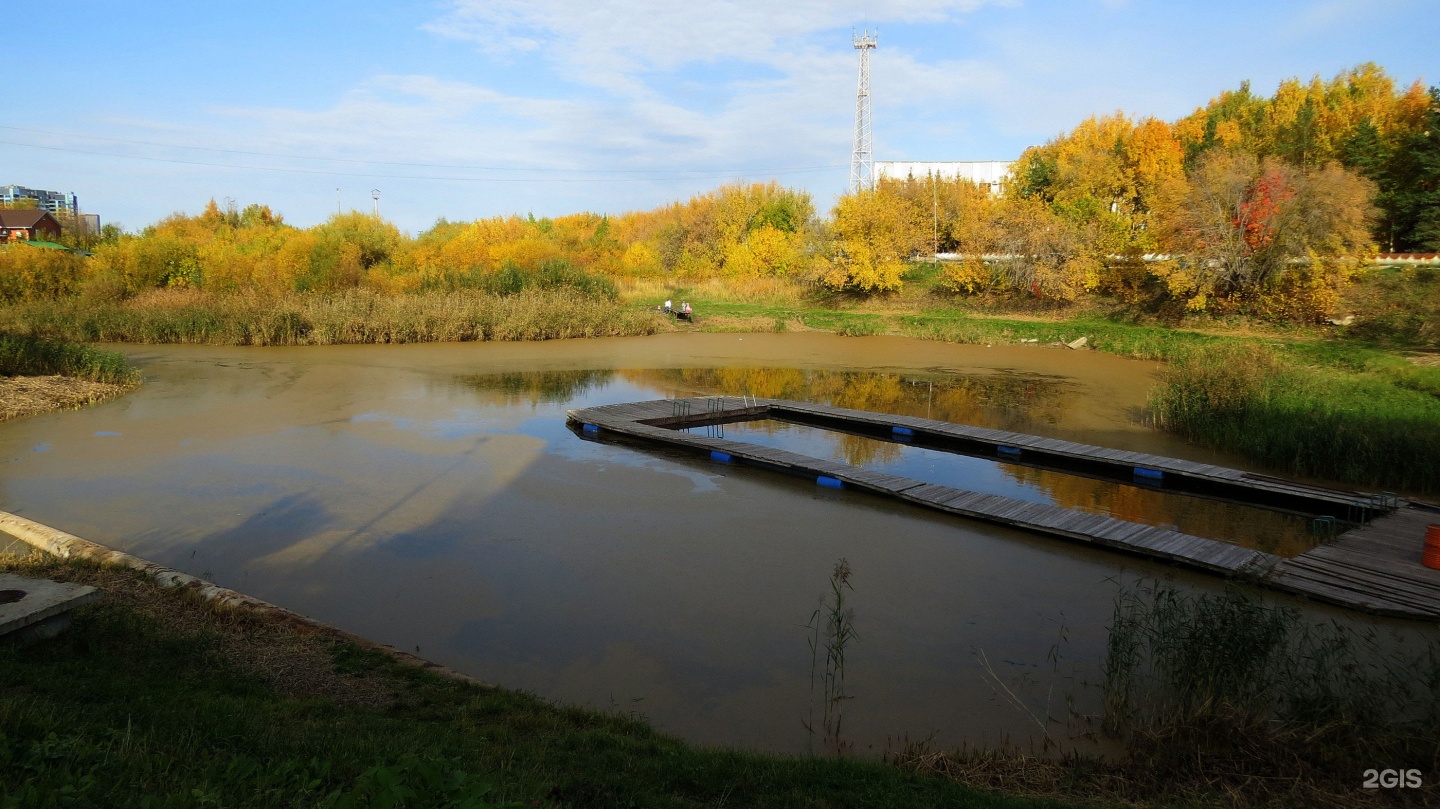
[787, 170]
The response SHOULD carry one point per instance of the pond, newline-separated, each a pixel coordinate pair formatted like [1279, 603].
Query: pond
[430, 497]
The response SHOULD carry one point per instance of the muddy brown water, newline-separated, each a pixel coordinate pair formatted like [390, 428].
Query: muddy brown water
[430, 497]
[1252, 527]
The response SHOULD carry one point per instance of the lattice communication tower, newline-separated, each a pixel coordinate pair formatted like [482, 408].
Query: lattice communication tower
[862, 159]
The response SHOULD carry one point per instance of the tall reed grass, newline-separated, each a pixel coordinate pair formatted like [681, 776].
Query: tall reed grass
[321, 319]
[28, 355]
[1321, 422]
[1229, 685]
[832, 628]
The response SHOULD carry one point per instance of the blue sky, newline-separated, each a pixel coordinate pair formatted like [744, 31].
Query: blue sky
[472, 108]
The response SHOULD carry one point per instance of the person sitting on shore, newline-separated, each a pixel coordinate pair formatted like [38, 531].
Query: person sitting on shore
[667, 308]
[685, 307]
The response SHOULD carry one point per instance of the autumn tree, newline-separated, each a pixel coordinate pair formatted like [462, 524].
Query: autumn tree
[1359, 118]
[347, 247]
[1044, 252]
[872, 234]
[974, 232]
[1248, 228]
[738, 230]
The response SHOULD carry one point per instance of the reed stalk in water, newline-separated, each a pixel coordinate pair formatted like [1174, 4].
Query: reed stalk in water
[832, 628]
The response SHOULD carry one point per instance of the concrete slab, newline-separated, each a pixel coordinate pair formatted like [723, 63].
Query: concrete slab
[39, 607]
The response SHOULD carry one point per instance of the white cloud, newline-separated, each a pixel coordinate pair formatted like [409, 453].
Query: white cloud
[611, 44]
[605, 107]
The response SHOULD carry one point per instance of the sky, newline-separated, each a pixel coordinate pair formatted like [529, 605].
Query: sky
[465, 109]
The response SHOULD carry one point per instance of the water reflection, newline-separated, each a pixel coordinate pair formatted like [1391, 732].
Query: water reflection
[1002, 400]
[1262, 529]
[1275, 532]
[535, 387]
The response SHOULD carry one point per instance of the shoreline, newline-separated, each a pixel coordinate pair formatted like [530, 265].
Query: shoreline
[22, 396]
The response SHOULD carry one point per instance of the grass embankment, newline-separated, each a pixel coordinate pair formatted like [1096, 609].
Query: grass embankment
[38, 375]
[330, 319]
[156, 698]
[1377, 427]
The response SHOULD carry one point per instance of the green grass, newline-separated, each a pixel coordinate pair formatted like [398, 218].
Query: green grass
[26, 355]
[1325, 421]
[126, 710]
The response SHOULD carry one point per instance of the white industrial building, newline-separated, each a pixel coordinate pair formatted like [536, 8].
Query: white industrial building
[988, 174]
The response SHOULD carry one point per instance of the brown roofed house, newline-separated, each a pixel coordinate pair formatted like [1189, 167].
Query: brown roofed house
[26, 226]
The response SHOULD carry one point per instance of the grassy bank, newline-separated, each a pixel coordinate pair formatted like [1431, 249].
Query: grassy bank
[155, 698]
[1326, 422]
[170, 316]
[28, 355]
[39, 375]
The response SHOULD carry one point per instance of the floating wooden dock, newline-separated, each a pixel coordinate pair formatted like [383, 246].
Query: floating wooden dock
[1374, 568]
[1190, 477]
[1377, 563]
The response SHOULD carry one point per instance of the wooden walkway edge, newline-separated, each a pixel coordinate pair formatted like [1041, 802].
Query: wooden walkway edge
[1371, 568]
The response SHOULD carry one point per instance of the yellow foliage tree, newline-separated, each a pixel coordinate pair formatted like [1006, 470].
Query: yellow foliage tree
[872, 235]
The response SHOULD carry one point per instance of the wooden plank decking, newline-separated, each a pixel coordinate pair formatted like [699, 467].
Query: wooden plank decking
[1378, 562]
[1374, 568]
[1120, 463]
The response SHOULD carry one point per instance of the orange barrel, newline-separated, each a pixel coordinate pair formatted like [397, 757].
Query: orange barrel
[1432, 547]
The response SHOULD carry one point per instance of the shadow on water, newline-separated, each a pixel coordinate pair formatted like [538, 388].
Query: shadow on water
[221, 555]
